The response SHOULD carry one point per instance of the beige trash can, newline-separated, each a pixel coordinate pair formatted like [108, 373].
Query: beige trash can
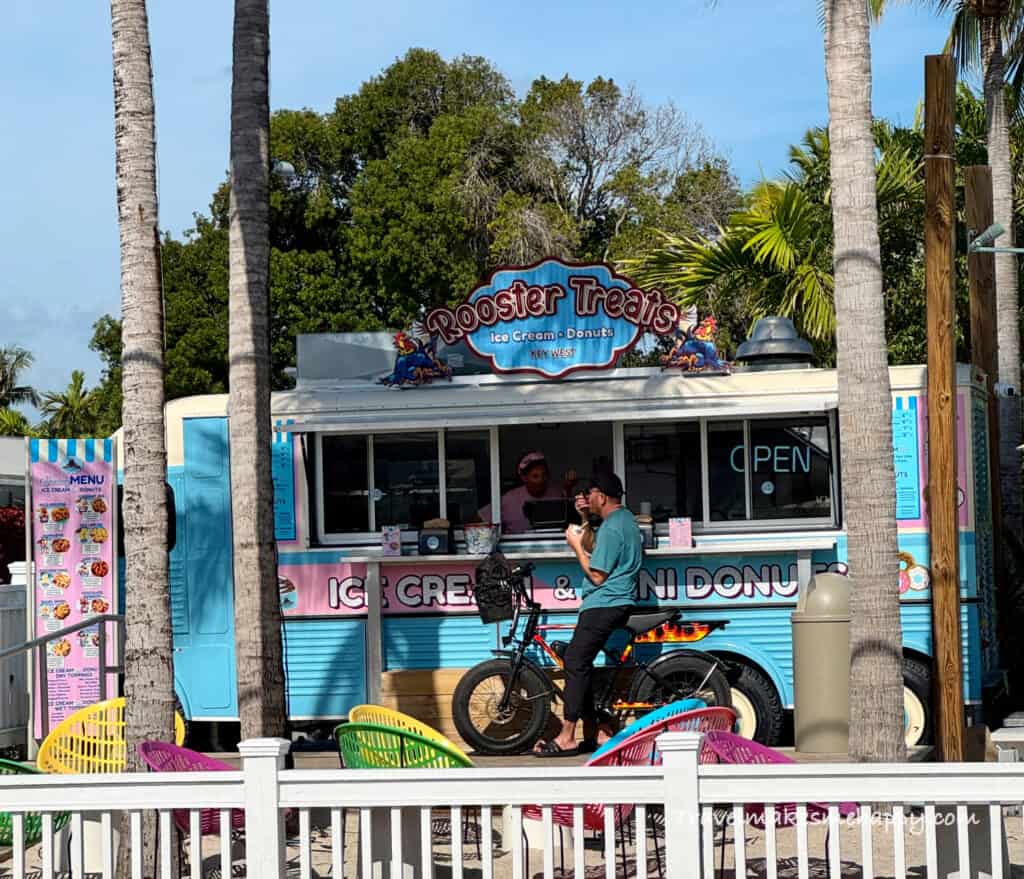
[821, 666]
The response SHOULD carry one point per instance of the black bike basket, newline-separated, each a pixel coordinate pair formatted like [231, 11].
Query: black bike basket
[493, 589]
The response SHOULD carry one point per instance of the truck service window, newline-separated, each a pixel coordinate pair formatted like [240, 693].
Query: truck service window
[726, 469]
[467, 474]
[663, 468]
[791, 469]
[345, 484]
[560, 449]
[406, 479]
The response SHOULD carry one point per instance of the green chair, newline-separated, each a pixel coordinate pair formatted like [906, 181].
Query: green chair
[374, 746]
[33, 824]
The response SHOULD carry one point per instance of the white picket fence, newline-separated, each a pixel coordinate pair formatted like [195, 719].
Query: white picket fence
[913, 820]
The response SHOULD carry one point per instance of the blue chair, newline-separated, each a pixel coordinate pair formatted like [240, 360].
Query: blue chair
[641, 723]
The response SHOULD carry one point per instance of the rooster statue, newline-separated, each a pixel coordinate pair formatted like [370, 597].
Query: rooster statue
[694, 349]
[416, 362]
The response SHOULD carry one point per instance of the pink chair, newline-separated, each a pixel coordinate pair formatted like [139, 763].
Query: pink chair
[165, 757]
[726, 747]
[638, 750]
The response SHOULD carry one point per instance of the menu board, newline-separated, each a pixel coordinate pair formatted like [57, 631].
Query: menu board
[906, 456]
[72, 485]
[282, 458]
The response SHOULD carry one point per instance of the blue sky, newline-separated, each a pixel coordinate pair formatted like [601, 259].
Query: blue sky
[749, 71]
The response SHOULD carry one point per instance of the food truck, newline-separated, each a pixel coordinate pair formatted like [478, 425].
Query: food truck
[390, 447]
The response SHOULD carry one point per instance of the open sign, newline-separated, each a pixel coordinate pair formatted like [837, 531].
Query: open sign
[773, 459]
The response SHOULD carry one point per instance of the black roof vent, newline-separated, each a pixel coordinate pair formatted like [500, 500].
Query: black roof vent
[774, 344]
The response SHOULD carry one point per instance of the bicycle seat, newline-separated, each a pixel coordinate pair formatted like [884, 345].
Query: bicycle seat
[639, 623]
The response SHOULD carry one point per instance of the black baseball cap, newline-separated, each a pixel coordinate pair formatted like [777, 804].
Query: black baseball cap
[606, 483]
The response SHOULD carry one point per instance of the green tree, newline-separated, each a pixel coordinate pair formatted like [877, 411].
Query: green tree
[599, 154]
[106, 397]
[70, 412]
[987, 39]
[13, 362]
[417, 185]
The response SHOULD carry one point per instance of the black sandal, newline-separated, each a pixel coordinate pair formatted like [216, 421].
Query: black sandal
[553, 749]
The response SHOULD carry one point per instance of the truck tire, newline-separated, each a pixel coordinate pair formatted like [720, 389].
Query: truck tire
[759, 711]
[474, 708]
[917, 694]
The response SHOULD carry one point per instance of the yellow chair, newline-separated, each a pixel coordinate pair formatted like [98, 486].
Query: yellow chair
[92, 741]
[378, 714]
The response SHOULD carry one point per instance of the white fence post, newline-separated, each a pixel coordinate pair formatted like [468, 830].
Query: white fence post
[680, 757]
[262, 759]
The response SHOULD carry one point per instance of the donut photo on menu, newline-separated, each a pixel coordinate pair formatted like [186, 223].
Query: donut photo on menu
[100, 568]
[60, 544]
[99, 505]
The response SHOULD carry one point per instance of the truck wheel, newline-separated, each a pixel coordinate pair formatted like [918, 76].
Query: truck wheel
[917, 691]
[759, 712]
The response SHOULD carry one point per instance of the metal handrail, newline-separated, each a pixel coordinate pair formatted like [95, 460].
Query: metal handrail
[39, 645]
[84, 624]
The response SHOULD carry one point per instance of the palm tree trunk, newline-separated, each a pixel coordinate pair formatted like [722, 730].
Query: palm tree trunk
[1007, 316]
[149, 679]
[261, 702]
[865, 404]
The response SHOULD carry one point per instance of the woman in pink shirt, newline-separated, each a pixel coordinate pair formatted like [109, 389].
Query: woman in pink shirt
[535, 476]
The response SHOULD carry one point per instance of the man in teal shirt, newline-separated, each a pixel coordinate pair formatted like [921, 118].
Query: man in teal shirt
[609, 593]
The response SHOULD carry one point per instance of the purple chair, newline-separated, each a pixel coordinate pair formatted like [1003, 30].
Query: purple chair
[165, 757]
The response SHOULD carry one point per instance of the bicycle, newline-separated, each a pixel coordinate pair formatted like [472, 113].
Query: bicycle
[503, 705]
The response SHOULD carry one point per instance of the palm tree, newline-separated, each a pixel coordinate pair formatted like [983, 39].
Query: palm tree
[865, 402]
[148, 682]
[69, 412]
[776, 254]
[261, 703]
[13, 362]
[13, 423]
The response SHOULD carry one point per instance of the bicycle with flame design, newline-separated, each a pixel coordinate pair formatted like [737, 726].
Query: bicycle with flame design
[503, 705]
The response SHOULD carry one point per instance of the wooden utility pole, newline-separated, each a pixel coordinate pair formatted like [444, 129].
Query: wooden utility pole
[981, 274]
[943, 535]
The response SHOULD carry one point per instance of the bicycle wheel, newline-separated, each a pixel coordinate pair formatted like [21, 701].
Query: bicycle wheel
[684, 676]
[479, 718]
